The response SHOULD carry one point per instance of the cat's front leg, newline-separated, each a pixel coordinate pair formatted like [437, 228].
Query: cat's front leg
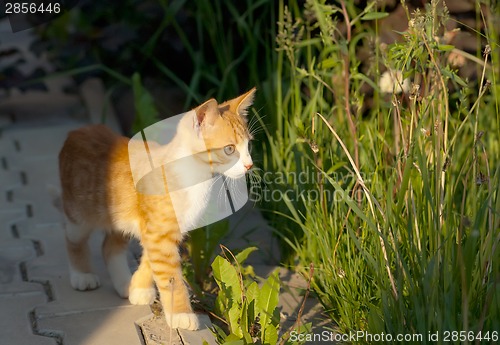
[179, 315]
[165, 262]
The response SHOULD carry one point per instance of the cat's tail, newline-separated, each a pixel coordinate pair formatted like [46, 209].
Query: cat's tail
[55, 196]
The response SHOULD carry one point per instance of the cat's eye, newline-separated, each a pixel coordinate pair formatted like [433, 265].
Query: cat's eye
[229, 149]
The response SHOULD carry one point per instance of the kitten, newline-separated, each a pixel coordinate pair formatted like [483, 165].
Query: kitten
[98, 191]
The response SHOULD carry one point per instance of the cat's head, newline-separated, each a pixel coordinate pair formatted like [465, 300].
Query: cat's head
[224, 130]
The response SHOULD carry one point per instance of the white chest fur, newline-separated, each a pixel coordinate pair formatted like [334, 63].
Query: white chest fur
[189, 184]
[196, 201]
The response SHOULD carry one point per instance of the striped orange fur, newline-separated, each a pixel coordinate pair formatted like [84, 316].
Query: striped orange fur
[98, 192]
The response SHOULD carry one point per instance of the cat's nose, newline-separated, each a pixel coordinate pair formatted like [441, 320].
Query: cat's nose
[249, 166]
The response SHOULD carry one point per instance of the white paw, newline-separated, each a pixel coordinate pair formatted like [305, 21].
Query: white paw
[142, 296]
[188, 321]
[84, 281]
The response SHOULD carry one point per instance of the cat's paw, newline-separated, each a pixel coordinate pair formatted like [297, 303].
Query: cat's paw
[141, 296]
[188, 321]
[84, 281]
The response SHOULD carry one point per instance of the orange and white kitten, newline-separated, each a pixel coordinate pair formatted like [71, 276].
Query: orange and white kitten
[98, 191]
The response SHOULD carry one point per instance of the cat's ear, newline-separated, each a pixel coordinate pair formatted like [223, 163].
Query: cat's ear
[206, 113]
[241, 104]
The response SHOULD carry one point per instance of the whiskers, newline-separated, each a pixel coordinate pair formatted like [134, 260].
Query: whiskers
[226, 191]
[255, 180]
[221, 191]
[237, 189]
[254, 126]
[232, 190]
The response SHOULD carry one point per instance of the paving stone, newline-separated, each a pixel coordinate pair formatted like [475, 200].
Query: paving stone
[20, 288]
[35, 194]
[69, 308]
[15, 320]
[9, 270]
[66, 299]
[9, 180]
[95, 327]
[157, 332]
[52, 266]
[8, 217]
[7, 203]
[39, 166]
[247, 227]
[6, 145]
[50, 236]
[12, 253]
[52, 244]
[197, 337]
[40, 141]
[41, 108]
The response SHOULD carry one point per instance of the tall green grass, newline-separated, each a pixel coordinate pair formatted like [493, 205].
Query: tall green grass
[404, 225]
[226, 43]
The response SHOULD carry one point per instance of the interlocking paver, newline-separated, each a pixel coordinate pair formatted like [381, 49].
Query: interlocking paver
[248, 227]
[9, 179]
[15, 321]
[34, 142]
[42, 109]
[8, 218]
[38, 176]
[53, 266]
[6, 146]
[195, 337]
[97, 327]
[17, 250]
[157, 332]
[20, 288]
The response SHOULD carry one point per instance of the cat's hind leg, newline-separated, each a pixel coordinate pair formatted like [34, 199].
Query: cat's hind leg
[114, 250]
[81, 276]
[142, 289]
